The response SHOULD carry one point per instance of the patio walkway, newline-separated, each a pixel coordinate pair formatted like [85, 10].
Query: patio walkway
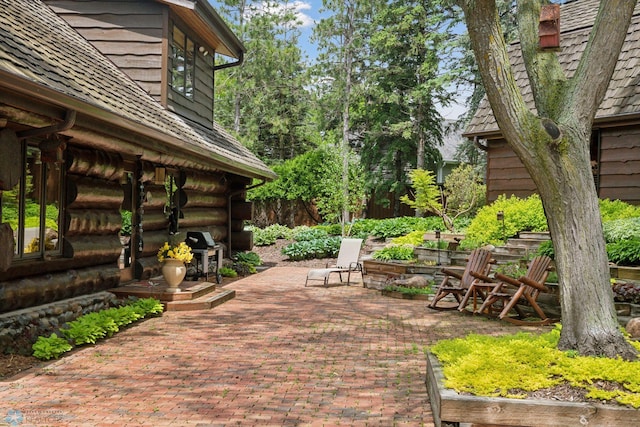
[279, 354]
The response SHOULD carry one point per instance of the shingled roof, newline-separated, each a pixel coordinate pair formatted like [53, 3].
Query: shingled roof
[576, 19]
[40, 49]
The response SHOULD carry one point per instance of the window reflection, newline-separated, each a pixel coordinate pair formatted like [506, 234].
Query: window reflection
[32, 207]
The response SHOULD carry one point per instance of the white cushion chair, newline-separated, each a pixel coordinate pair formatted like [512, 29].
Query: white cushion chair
[348, 261]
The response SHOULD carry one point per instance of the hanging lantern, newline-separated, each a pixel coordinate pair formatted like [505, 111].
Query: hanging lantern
[549, 27]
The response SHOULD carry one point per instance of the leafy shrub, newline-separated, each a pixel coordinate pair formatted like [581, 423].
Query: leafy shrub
[415, 238]
[395, 252]
[621, 229]
[546, 248]
[409, 291]
[305, 233]
[331, 229]
[268, 235]
[46, 348]
[308, 249]
[126, 223]
[611, 210]
[512, 269]
[228, 272]
[519, 215]
[94, 326]
[624, 252]
[626, 292]
[250, 258]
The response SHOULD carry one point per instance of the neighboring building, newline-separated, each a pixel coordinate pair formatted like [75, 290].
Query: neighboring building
[102, 120]
[615, 141]
[450, 142]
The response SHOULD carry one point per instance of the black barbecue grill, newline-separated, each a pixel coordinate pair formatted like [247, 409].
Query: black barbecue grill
[204, 250]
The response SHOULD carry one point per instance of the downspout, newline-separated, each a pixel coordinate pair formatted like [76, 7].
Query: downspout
[235, 193]
[69, 121]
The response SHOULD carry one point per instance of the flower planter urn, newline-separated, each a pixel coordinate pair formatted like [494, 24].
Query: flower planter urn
[173, 271]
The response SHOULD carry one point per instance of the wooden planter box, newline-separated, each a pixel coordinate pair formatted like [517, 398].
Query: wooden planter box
[449, 406]
[629, 273]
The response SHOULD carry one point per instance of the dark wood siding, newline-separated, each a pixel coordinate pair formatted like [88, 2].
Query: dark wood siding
[620, 164]
[129, 33]
[505, 173]
[200, 108]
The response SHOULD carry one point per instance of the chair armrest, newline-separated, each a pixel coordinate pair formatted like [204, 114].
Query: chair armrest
[482, 277]
[507, 279]
[538, 286]
[452, 273]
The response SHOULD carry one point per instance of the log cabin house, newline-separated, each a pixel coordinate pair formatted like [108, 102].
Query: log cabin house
[615, 140]
[107, 107]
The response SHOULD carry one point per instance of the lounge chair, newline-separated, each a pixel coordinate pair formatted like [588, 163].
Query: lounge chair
[527, 289]
[479, 261]
[347, 262]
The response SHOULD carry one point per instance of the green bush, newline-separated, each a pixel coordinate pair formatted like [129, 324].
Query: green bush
[250, 258]
[91, 327]
[410, 291]
[46, 348]
[268, 235]
[611, 210]
[415, 238]
[519, 215]
[309, 249]
[228, 272]
[395, 252]
[304, 233]
[621, 229]
[624, 252]
[546, 248]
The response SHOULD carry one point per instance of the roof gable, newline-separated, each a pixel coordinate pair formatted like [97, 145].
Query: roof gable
[576, 19]
[39, 48]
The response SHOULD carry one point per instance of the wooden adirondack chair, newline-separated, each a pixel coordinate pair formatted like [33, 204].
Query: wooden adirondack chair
[528, 287]
[479, 261]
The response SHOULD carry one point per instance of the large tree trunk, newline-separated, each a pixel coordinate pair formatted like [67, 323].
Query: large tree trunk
[553, 144]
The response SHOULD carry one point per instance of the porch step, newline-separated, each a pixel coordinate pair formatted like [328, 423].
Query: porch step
[203, 303]
[193, 295]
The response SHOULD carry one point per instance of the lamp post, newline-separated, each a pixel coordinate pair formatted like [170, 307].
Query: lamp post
[438, 238]
[500, 217]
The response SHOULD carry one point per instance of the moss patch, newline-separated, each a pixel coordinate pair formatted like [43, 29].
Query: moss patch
[513, 365]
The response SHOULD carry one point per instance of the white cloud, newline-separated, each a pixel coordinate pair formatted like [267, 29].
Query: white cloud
[299, 8]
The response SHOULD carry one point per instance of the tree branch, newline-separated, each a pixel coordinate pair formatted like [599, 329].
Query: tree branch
[490, 49]
[543, 67]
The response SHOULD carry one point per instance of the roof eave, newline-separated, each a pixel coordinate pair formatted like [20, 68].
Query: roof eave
[49, 96]
[209, 25]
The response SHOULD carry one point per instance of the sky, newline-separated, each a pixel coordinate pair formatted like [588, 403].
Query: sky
[308, 13]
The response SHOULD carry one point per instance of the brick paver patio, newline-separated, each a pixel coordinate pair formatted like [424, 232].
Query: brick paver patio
[279, 354]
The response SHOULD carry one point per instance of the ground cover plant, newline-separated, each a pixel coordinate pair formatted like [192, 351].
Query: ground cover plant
[91, 327]
[524, 362]
[410, 291]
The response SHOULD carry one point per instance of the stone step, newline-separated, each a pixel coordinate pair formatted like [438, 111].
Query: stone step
[525, 243]
[539, 235]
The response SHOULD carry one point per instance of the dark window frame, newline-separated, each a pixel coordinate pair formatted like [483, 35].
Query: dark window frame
[182, 72]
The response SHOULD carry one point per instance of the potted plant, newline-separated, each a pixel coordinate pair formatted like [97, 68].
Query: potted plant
[174, 259]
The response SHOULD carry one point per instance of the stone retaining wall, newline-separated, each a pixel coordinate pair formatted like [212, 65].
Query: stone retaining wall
[21, 328]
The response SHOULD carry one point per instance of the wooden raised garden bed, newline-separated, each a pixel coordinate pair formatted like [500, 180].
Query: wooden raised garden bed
[449, 406]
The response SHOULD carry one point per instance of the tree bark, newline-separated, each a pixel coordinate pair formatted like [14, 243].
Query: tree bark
[554, 147]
